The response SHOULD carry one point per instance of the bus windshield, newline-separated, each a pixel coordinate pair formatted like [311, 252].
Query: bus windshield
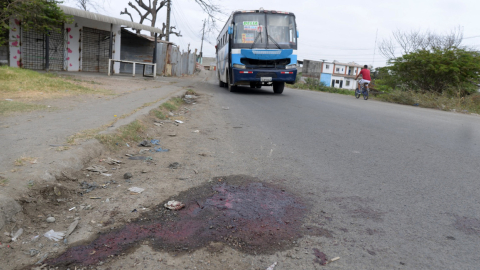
[260, 30]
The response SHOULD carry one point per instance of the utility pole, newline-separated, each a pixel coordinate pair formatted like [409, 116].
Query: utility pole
[168, 20]
[201, 46]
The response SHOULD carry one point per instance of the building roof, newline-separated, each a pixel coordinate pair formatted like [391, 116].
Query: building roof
[103, 18]
[147, 37]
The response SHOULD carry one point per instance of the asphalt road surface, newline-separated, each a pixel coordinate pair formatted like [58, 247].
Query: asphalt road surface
[396, 186]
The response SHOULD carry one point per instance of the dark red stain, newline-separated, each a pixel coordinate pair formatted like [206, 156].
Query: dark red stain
[321, 257]
[248, 216]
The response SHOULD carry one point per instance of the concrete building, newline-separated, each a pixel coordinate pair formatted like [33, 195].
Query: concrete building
[86, 44]
[333, 74]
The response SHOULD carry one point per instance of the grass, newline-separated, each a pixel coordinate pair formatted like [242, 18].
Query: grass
[7, 107]
[21, 161]
[27, 85]
[467, 104]
[314, 85]
[3, 182]
[125, 134]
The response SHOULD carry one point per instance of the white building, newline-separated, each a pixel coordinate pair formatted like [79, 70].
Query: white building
[339, 75]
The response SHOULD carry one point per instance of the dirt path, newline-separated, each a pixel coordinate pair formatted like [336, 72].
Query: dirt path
[36, 141]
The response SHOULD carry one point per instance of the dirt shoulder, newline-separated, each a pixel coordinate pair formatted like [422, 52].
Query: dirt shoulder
[39, 145]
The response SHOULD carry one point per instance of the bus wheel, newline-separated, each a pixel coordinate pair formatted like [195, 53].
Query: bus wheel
[252, 85]
[278, 87]
[231, 87]
[220, 83]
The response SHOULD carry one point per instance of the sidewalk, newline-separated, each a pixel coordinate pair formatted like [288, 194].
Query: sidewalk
[38, 135]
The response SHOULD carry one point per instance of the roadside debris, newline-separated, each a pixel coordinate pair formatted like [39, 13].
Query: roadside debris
[17, 235]
[106, 174]
[71, 228]
[155, 142]
[145, 143]
[178, 122]
[97, 168]
[112, 161]
[88, 187]
[226, 108]
[196, 131]
[127, 175]
[272, 266]
[53, 235]
[140, 158]
[174, 165]
[332, 260]
[51, 220]
[136, 189]
[174, 205]
[161, 150]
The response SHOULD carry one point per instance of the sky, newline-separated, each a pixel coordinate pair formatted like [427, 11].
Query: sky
[345, 30]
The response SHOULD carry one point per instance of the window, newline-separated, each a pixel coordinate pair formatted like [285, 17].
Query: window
[338, 69]
[327, 66]
[337, 81]
[347, 83]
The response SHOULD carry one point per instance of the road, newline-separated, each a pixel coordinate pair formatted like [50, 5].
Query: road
[297, 179]
[396, 185]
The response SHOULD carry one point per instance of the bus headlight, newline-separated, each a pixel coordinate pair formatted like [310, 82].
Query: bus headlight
[291, 66]
[239, 66]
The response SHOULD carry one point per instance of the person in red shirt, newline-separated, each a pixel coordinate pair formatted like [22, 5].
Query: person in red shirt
[365, 72]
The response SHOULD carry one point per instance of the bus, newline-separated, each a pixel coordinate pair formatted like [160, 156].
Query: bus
[257, 48]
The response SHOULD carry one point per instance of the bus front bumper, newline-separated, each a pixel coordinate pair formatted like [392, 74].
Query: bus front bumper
[263, 76]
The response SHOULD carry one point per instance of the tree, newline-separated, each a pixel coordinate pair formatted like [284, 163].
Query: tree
[40, 15]
[89, 4]
[408, 42]
[438, 70]
[151, 10]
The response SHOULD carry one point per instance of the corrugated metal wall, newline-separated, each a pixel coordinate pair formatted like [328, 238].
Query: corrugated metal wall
[170, 60]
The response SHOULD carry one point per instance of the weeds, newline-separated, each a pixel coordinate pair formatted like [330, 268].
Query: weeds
[3, 181]
[21, 161]
[160, 115]
[445, 102]
[315, 85]
[7, 107]
[129, 133]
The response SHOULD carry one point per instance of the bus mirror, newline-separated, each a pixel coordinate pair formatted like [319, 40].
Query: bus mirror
[298, 34]
[230, 30]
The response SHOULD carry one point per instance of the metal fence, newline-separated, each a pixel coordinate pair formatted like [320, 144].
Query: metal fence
[95, 50]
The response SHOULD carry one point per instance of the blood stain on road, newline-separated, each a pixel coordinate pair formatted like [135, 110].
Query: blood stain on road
[239, 211]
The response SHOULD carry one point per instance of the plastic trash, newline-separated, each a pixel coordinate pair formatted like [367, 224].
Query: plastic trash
[161, 150]
[272, 266]
[155, 142]
[178, 121]
[136, 189]
[17, 235]
[53, 235]
[174, 205]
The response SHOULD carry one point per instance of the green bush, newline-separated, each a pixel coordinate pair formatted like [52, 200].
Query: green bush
[438, 71]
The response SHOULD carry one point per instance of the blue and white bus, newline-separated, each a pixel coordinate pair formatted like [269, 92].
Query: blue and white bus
[257, 47]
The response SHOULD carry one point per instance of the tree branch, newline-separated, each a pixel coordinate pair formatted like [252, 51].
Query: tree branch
[126, 12]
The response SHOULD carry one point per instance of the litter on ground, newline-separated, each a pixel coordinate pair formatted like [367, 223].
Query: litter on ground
[272, 266]
[53, 235]
[174, 205]
[136, 189]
